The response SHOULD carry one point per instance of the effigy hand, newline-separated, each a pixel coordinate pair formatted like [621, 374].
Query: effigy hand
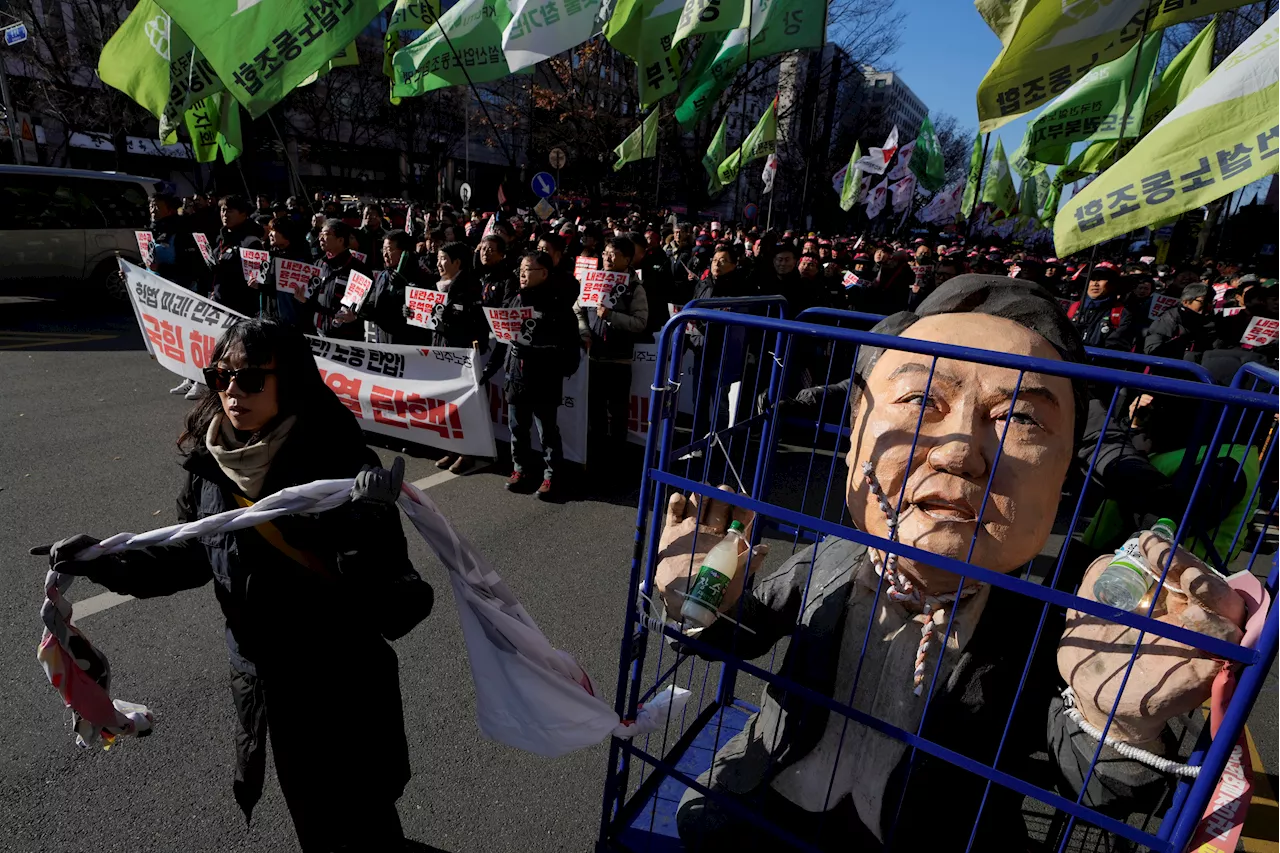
[693, 526]
[1169, 678]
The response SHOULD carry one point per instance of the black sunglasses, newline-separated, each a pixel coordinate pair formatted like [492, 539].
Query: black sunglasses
[250, 379]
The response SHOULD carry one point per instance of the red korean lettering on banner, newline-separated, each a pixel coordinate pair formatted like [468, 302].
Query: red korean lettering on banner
[583, 265]
[347, 389]
[1160, 304]
[603, 287]
[165, 337]
[201, 348]
[206, 250]
[358, 285]
[509, 324]
[146, 247]
[1223, 820]
[254, 264]
[1260, 332]
[426, 306]
[296, 276]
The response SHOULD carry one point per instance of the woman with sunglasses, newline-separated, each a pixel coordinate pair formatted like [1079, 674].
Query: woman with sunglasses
[309, 600]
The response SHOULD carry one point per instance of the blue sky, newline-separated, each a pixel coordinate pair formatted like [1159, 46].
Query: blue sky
[945, 51]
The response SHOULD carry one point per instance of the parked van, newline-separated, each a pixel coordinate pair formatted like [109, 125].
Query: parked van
[68, 224]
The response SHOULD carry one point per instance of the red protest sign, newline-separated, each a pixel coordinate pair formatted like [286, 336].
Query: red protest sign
[146, 247]
[426, 305]
[255, 264]
[583, 265]
[206, 250]
[359, 256]
[1260, 332]
[1160, 304]
[512, 325]
[1223, 819]
[296, 276]
[358, 285]
[602, 287]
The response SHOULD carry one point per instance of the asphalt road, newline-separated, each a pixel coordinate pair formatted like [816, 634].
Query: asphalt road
[87, 443]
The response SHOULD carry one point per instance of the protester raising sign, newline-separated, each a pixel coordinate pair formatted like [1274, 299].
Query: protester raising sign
[358, 285]
[426, 305]
[296, 276]
[427, 396]
[1160, 304]
[602, 287]
[1260, 332]
[583, 265]
[512, 325]
[255, 264]
[206, 250]
[146, 247]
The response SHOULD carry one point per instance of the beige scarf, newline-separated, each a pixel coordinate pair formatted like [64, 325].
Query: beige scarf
[245, 463]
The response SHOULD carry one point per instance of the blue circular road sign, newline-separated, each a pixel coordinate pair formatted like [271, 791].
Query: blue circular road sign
[543, 185]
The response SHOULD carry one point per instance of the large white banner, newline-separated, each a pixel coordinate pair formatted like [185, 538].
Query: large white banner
[425, 395]
[571, 419]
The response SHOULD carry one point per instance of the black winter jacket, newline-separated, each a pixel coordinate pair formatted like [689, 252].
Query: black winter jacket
[384, 307]
[177, 257]
[326, 301]
[462, 321]
[534, 371]
[229, 287]
[1094, 320]
[1177, 332]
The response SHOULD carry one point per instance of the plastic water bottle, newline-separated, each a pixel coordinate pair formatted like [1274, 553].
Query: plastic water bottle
[1125, 580]
[702, 603]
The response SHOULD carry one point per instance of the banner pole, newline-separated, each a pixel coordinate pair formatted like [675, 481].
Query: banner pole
[742, 115]
[977, 190]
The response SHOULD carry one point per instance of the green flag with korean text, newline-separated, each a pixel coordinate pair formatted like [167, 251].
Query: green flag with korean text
[1095, 106]
[263, 49]
[640, 144]
[760, 142]
[1050, 44]
[1223, 136]
[926, 163]
[1050, 208]
[475, 29]
[214, 125]
[970, 196]
[998, 190]
[852, 179]
[715, 156]
[643, 30]
[152, 61]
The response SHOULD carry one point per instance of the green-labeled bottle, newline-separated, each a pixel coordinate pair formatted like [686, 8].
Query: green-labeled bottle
[703, 601]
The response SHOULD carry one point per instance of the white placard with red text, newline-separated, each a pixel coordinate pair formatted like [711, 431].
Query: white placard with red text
[602, 287]
[583, 265]
[512, 325]
[255, 264]
[425, 395]
[358, 285]
[296, 276]
[359, 256]
[1160, 304]
[1260, 332]
[206, 250]
[146, 248]
[427, 306]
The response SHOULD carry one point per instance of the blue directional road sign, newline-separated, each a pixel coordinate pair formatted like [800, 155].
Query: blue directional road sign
[543, 185]
[15, 34]
[750, 210]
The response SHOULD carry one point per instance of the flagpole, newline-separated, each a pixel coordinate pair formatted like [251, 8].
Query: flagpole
[742, 116]
[1128, 94]
[773, 190]
[657, 155]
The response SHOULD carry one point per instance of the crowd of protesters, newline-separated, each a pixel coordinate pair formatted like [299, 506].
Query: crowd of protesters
[509, 260]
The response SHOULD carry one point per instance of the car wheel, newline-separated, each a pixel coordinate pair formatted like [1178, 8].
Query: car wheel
[111, 281]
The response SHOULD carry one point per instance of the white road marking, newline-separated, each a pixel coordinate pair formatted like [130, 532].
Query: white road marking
[105, 601]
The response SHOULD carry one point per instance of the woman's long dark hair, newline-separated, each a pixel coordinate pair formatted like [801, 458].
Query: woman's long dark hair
[299, 387]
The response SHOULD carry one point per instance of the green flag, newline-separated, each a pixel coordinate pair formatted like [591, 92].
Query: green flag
[777, 26]
[1224, 135]
[703, 17]
[1094, 108]
[1034, 193]
[715, 155]
[1021, 166]
[642, 30]
[852, 179]
[1050, 209]
[407, 15]
[262, 49]
[348, 56]
[152, 61]
[926, 163]
[975, 174]
[760, 142]
[998, 190]
[214, 125]
[428, 64]
[1050, 44]
[640, 143]
[1180, 78]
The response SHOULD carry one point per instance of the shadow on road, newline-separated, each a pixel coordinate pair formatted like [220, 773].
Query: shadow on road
[61, 320]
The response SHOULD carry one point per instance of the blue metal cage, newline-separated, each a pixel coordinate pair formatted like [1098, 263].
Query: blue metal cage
[786, 464]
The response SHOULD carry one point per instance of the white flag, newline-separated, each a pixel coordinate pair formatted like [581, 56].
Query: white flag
[837, 180]
[877, 161]
[876, 199]
[527, 42]
[770, 170]
[903, 191]
[944, 206]
[903, 167]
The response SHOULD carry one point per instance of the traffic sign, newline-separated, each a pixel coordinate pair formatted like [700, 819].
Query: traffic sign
[464, 192]
[543, 208]
[750, 211]
[15, 34]
[558, 158]
[543, 185]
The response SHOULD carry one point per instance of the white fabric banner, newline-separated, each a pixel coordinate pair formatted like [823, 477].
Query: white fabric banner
[903, 167]
[424, 395]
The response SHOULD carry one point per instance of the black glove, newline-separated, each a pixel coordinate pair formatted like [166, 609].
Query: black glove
[810, 396]
[62, 554]
[378, 485]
